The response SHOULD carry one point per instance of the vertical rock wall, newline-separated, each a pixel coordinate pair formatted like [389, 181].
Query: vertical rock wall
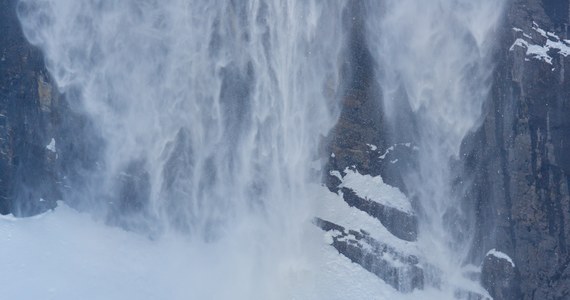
[47, 147]
[28, 114]
[520, 157]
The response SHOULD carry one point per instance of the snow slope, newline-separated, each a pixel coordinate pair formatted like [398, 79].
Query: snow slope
[64, 254]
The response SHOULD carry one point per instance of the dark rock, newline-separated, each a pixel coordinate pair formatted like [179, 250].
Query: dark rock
[398, 270]
[327, 226]
[28, 114]
[519, 159]
[32, 113]
[357, 141]
[499, 277]
[360, 122]
[401, 224]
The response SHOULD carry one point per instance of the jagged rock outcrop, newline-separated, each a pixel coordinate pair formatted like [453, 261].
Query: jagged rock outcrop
[359, 139]
[401, 224]
[398, 270]
[359, 144]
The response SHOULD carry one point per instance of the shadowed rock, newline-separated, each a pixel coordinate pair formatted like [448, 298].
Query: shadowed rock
[401, 224]
[499, 277]
[519, 158]
[28, 111]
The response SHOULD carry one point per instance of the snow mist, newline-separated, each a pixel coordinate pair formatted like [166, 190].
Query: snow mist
[434, 67]
[210, 113]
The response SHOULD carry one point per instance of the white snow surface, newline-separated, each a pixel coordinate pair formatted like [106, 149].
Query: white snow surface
[336, 210]
[501, 255]
[374, 189]
[51, 145]
[563, 47]
[64, 254]
[534, 51]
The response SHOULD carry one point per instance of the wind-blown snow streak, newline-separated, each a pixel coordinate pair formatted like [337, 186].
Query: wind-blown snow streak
[434, 63]
[214, 107]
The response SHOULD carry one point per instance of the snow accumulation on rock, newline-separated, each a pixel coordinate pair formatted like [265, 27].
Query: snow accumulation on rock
[393, 147]
[51, 145]
[501, 255]
[372, 147]
[335, 209]
[540, 52]
[374, 189]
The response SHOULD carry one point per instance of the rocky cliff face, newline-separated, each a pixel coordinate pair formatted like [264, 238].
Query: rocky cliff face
[47, 147]
[29, 113]
[520, 156]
